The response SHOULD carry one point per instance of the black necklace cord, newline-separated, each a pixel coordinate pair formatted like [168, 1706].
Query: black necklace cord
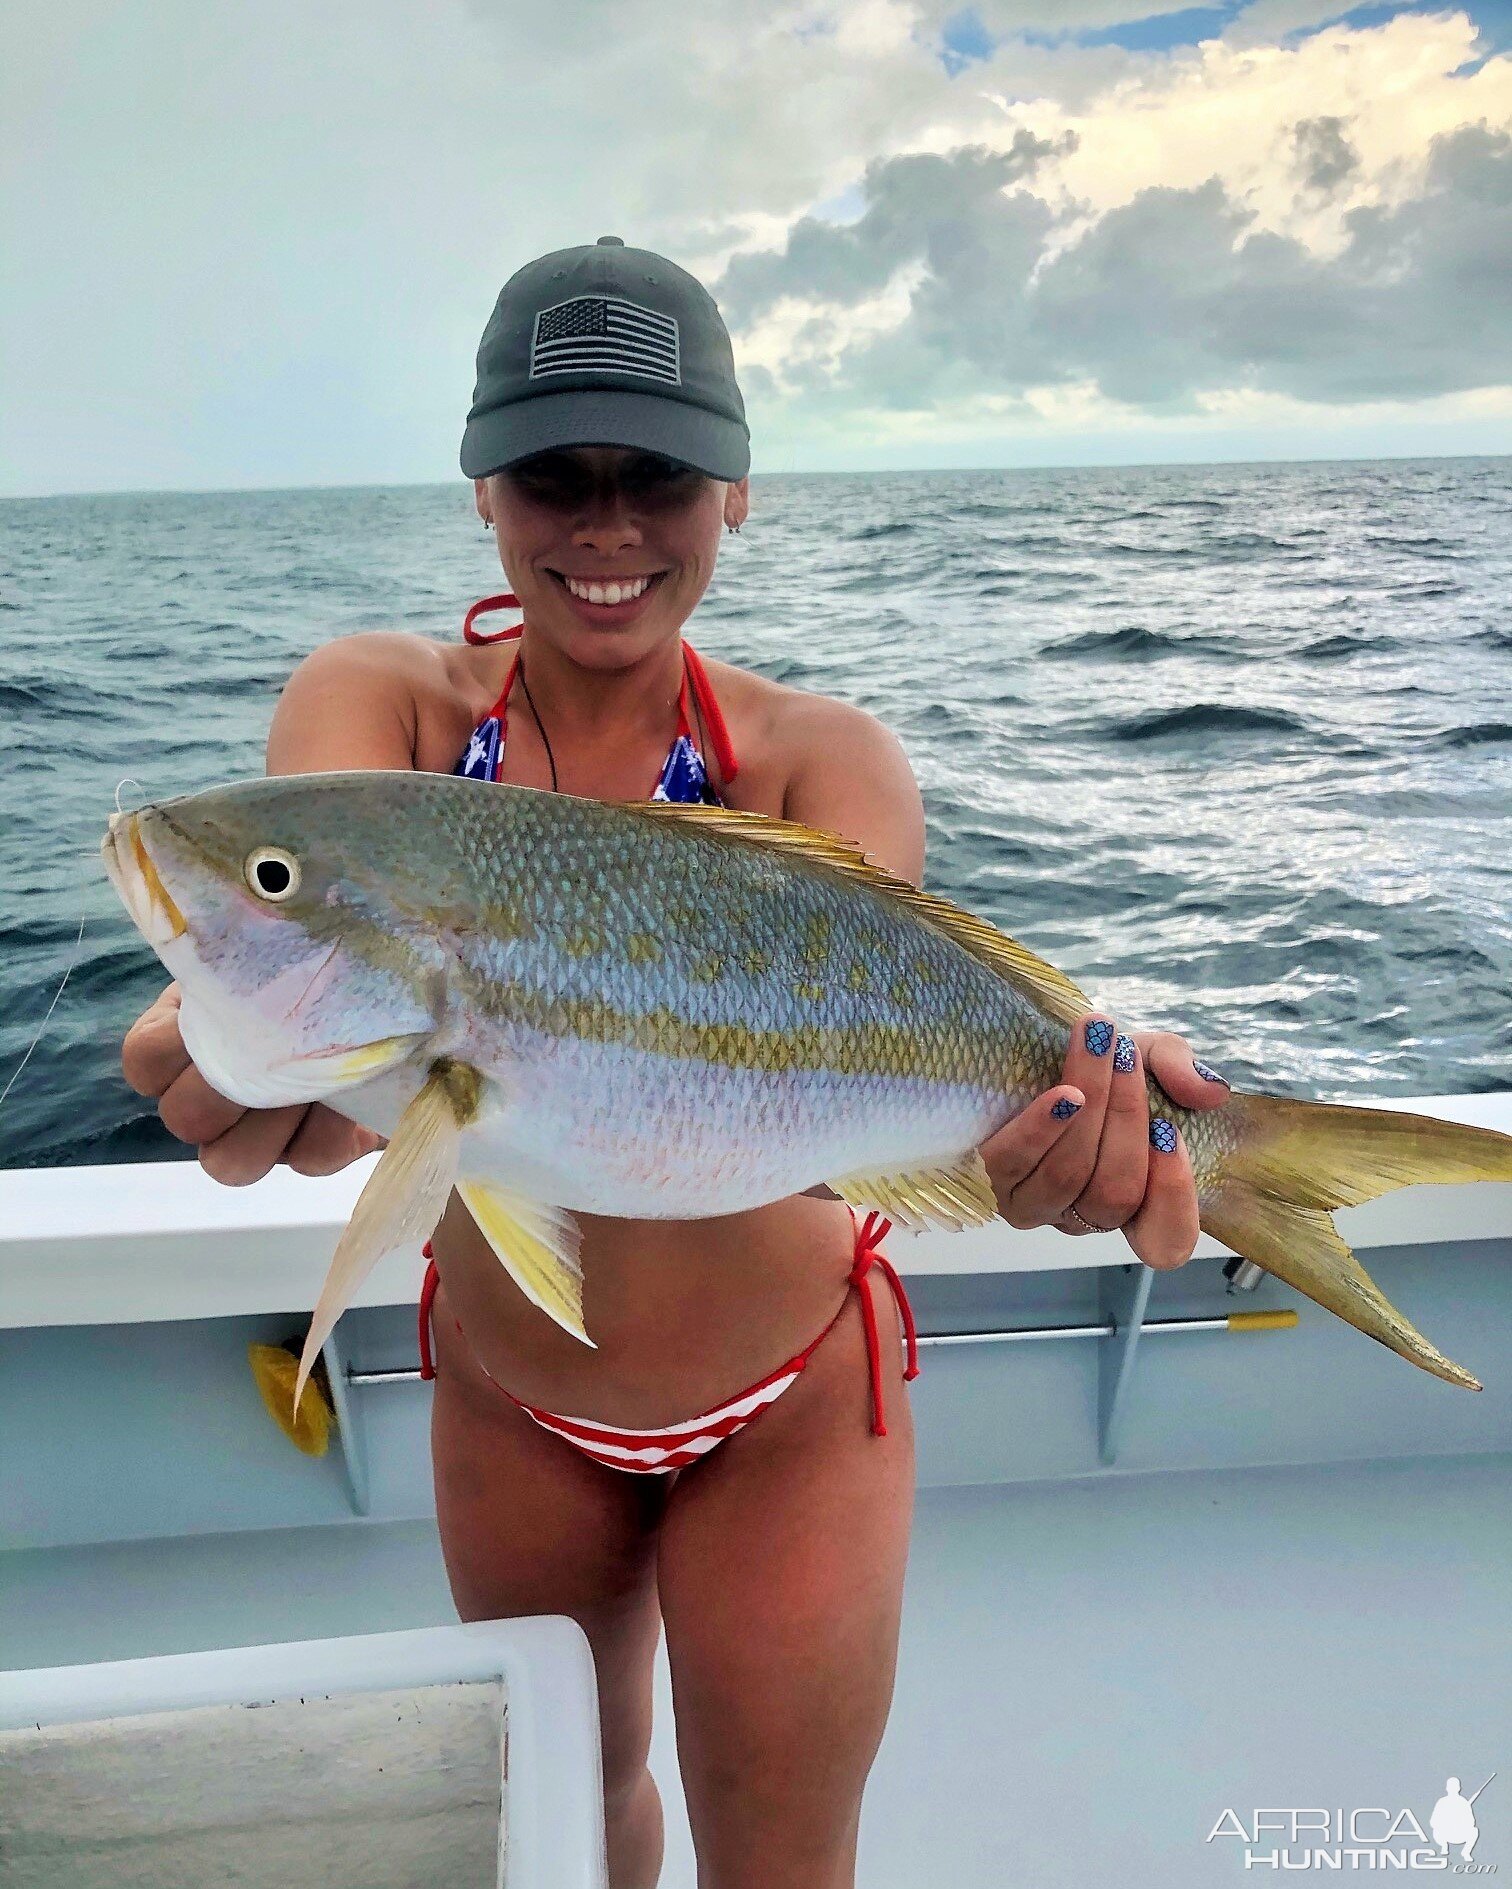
[703, 741]
[545, 739]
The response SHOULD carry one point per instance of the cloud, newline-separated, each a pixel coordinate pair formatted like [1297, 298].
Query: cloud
[1172, 296]
[912, 203]
[1190, 240]
[1325, 158]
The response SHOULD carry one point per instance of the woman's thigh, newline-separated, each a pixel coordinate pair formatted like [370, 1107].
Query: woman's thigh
[530, 1525]
[781, 1570]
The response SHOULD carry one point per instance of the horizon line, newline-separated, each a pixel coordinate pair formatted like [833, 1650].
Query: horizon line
[826, 472]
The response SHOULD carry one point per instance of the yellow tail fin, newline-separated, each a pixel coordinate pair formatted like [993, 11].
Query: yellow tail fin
[1297, 1160]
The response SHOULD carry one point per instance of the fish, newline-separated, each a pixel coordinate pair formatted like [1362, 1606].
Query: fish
[654, 1010]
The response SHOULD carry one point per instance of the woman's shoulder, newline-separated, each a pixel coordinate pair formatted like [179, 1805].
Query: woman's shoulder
[375, 684]
[784, 735]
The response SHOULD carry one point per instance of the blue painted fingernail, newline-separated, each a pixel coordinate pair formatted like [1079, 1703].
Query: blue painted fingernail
[1163, 1135]
[1124, 1057]
[1099, 1037]
[1065, 1108]
[1209, 1075]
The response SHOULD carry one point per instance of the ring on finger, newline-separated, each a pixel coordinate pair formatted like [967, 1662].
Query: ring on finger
[1088, 1224]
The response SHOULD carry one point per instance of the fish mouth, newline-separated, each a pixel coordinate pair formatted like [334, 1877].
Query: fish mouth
[138, 883]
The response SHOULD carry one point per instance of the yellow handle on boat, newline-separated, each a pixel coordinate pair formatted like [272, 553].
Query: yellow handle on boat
[274, 1368]
[1262, 1321]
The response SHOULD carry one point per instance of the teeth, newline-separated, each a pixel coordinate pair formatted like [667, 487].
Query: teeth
[607, 593]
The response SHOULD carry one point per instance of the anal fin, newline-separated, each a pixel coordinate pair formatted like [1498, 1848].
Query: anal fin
[955, 1194]
[538, 1246]
[404, 1197]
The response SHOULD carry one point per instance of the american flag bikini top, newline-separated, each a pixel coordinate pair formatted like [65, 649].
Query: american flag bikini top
[683, 776]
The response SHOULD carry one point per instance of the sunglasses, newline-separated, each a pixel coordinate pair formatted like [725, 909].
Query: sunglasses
[564, 481]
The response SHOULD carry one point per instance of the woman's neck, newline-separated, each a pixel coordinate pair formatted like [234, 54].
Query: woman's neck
[584, 708]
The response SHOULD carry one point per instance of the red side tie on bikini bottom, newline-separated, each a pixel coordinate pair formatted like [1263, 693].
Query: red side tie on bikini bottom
[874, 1229]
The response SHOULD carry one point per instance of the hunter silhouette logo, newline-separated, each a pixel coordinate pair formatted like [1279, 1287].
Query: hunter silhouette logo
[1453, 1821]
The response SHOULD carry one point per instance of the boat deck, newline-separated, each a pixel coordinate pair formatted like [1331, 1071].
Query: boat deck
[1091, 1671]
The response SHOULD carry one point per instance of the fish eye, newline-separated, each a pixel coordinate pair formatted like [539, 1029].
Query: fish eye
[272, 873]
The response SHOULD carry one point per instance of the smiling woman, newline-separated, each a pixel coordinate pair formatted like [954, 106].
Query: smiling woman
[608, 448]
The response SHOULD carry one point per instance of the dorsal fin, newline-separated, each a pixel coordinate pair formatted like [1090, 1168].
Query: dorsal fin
[1045, 986]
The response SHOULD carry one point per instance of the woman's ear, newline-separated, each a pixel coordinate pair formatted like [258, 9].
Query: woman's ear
[737, 503]
[481, 500]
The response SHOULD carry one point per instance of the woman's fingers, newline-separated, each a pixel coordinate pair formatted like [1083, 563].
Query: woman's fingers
[155, 1062]
[1164, 1232]
[1116, 1185]
[250, 1147]
[152, 1051]
[1043, 1191]
[1018, 1148]
[237, 1145]
[1187, 1081]
[192, 1111]
[325, 1142]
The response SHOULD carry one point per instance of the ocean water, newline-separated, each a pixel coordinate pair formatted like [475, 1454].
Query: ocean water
[1230, 745]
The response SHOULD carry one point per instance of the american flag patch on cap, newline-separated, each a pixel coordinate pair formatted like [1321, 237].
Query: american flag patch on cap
[597, 332]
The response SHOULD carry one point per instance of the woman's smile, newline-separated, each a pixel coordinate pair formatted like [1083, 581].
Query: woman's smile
[608, 599]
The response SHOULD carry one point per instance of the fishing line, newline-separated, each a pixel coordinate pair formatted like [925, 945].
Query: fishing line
[127, 781]
[50, 1008]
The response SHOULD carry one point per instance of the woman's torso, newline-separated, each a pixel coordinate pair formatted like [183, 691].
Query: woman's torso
[683, 1313]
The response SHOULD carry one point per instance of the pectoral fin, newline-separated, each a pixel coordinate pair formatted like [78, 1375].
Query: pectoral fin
[405, 1195]
[956, 1195]
[538, 1246]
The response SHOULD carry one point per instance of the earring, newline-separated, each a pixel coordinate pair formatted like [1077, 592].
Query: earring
[732, 528]
[488, 524]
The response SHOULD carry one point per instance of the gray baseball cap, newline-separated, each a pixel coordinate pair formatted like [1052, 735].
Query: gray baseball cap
[603, 345]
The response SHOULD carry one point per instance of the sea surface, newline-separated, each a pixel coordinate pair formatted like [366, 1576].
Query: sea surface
[1230, 745]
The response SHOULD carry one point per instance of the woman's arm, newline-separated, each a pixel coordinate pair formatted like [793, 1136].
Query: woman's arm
[850, 776]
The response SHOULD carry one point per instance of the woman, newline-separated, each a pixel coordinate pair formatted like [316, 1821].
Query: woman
[743, 1362]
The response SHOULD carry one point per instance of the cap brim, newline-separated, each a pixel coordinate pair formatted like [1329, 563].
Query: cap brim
[597, 416]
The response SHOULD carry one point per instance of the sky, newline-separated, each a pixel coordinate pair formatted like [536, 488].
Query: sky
[256, 246]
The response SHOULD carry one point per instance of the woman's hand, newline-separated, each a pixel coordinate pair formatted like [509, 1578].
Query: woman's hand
[236, 1145]
[1099, 1159]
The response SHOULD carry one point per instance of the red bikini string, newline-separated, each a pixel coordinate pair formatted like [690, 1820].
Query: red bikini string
[719, 734]
[427, 1295]
[506, 600]
[875, 1229]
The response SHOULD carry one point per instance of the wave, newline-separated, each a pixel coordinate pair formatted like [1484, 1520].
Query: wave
[30, 695]
[1207, 718]
[1133, 643]
[1475, 735]
[1429, 547]
[893, 528]
[1329, 648]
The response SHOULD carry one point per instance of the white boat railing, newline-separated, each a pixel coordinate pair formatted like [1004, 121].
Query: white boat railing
[161, 1240]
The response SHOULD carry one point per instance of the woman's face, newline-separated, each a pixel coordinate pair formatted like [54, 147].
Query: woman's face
[603, 516]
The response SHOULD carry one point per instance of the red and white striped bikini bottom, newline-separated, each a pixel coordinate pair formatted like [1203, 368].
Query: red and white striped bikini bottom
[658, 1451]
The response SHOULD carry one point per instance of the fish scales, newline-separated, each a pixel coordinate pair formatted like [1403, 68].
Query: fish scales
[779, 1053]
